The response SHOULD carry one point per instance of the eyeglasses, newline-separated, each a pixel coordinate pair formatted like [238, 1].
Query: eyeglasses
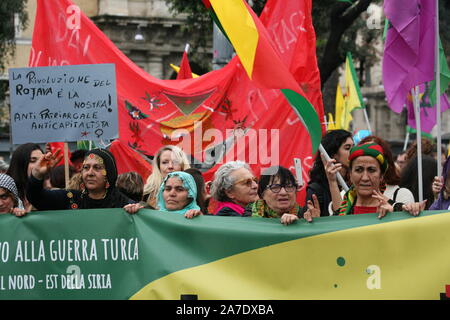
[247, 182]
[275, 188]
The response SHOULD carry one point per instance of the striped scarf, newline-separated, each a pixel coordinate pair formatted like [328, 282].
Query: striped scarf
[349, 200]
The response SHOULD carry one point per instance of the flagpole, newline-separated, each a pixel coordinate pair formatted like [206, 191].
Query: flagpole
[415, 94]
[438, 95]
[406, 140]
[367, 120]
[338, 175]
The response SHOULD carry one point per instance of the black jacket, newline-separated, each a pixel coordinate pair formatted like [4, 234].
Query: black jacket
[323, 194]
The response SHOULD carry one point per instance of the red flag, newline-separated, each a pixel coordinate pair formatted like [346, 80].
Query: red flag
[129, 160]
[207, 115]
[185, 68]
[59, 145]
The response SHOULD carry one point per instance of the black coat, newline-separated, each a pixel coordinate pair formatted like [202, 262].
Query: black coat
[43, 199]
[323, 194]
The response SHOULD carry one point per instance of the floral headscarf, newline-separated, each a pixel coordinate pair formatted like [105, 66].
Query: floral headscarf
[188, 184]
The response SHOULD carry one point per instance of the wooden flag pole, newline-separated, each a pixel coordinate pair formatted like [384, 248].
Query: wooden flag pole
[66, 164]
[415, 94]
[438, 95]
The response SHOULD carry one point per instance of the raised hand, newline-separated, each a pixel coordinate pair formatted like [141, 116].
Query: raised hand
[45, 163]
[314, 208]
[437, 186]
[331, 168]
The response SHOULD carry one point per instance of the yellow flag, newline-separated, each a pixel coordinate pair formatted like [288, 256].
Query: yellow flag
[343, 117]
[177, 69]
[331, 125]
[352, 95]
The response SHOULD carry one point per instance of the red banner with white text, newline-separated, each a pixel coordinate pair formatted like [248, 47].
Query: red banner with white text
[215, 118]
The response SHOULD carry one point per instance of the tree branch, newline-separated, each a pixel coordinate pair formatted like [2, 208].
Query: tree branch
[341, 18]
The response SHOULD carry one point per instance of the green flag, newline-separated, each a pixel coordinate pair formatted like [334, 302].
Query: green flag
[444, 72]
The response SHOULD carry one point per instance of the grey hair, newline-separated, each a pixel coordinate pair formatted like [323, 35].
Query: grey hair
[223, 180]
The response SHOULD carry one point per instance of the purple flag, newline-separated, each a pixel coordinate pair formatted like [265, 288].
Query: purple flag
[409, 52]
[427, 110]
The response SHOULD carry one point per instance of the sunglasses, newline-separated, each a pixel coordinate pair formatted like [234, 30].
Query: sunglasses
[247, 182]
[275, 188]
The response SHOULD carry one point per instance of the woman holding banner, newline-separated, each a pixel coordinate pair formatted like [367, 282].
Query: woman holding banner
[323, 182]
[441, 186]
[234, 187]
[167, 159]
[367, 168]
[9, 197]
[177, 194]
[97, 189]
[391, 177]
[277, 190]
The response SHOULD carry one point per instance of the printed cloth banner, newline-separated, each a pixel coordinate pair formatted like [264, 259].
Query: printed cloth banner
[221, 113]
[109, 254]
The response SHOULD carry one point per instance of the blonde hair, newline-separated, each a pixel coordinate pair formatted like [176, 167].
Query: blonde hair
[75, 182]
[131, 185]
[155, 179]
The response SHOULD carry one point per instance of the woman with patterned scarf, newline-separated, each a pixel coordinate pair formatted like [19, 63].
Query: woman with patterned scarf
[9, 197]
[177, 194]
[277, 190]
[97, 188]
[367, 169]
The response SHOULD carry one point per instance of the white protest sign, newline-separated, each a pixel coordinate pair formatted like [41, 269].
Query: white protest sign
[67, 103]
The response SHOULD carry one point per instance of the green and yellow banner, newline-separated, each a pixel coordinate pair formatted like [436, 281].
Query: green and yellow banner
[109, 254]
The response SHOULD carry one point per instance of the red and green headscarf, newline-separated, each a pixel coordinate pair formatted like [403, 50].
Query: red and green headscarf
[371, 150]
[366, 149]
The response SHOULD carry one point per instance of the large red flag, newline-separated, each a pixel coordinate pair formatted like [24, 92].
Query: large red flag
[221, 112]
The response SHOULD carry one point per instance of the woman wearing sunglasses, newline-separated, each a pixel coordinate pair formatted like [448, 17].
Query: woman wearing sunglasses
[278, 198]
[234, 187]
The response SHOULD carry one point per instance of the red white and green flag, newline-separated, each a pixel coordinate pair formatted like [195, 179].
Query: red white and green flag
[261, 60]
[204, 113]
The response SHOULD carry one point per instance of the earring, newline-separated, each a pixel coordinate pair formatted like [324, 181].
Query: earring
[82, 187]
[107, 184]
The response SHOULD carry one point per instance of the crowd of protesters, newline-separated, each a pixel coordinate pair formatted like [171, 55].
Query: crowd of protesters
[377, 182]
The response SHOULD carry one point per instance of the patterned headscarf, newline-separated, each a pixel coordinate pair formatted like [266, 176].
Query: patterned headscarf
[367, 149]
[7, 183]
[188, 184]
[108, 161]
